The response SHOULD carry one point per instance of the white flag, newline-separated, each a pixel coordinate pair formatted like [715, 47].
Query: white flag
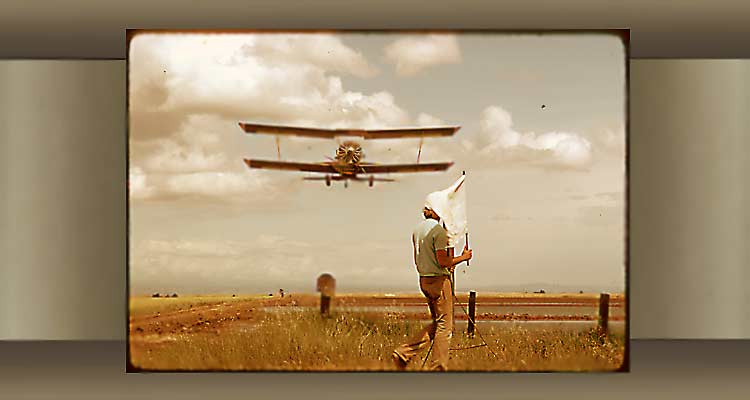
[450, 205]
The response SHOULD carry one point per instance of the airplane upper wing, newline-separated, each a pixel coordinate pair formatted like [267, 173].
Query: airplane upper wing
[387, 168]
[290, 166]
[430, 131]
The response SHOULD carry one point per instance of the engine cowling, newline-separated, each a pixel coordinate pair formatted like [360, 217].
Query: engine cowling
[349, 152]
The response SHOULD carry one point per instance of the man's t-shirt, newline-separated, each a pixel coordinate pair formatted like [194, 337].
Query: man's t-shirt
[429, 237]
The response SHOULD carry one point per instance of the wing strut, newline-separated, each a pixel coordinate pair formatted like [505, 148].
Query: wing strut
[421, 141]
[278, 147]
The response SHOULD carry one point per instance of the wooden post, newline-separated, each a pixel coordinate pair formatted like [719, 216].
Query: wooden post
[472, 312]
[325, 304]
[326, 285]
[453, 299]
[453, 290]
[604, 312]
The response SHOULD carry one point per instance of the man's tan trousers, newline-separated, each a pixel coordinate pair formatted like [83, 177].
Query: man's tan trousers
[437, 290]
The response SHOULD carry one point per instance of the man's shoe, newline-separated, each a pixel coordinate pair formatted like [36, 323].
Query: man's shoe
[399, 361]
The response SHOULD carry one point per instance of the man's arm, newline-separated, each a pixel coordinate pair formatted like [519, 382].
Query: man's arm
[447, 261]
[444, 258]
[414, 248]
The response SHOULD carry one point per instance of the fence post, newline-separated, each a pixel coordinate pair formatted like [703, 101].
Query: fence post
[326, 285]
[472, 312]
[604, 313]
[325, 304]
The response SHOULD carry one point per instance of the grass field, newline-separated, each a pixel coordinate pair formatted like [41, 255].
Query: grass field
[234, 333]
[140, 306]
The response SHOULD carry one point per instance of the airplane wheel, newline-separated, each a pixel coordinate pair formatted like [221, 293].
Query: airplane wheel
[346, 183]
[328, 180]
[372, 180]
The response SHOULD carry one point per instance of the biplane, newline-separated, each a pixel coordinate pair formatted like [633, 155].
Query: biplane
[348, 164]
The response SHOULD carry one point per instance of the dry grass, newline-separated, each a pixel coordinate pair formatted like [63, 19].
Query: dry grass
[294, 340]
[140, 306]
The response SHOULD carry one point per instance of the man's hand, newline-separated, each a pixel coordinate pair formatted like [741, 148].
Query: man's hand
[466, 254]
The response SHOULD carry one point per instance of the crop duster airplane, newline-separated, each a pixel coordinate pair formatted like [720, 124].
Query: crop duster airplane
[347, 164]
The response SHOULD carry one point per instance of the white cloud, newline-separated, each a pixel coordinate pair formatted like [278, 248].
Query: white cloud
[340, 109]
[174, 157]
[413, 54]
[220, 184]
[282, 78]
[497, 137]
[138, 185]
[195, 148]
[195, 163]
[224, 186]
[424, 119]
[325, 51]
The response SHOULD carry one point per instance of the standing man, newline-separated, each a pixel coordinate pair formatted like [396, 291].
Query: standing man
[435, 263]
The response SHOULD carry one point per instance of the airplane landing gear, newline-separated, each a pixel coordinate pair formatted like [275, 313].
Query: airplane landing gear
[372, 180]
[328, 180]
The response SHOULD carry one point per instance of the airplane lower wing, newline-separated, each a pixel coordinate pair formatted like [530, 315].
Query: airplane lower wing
[388, 168]
[362, 168]
[428, 131]
[290, 166]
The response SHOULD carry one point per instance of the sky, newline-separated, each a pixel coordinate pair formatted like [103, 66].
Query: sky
[545, 185]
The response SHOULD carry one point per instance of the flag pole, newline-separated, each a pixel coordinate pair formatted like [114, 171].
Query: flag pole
[453, 273]
[467, 246]
[467, 231]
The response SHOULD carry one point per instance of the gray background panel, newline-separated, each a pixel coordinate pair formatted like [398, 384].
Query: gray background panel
[665, 28]
[688, 179]
[77, 370]
[63, 205]
[679, 370]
